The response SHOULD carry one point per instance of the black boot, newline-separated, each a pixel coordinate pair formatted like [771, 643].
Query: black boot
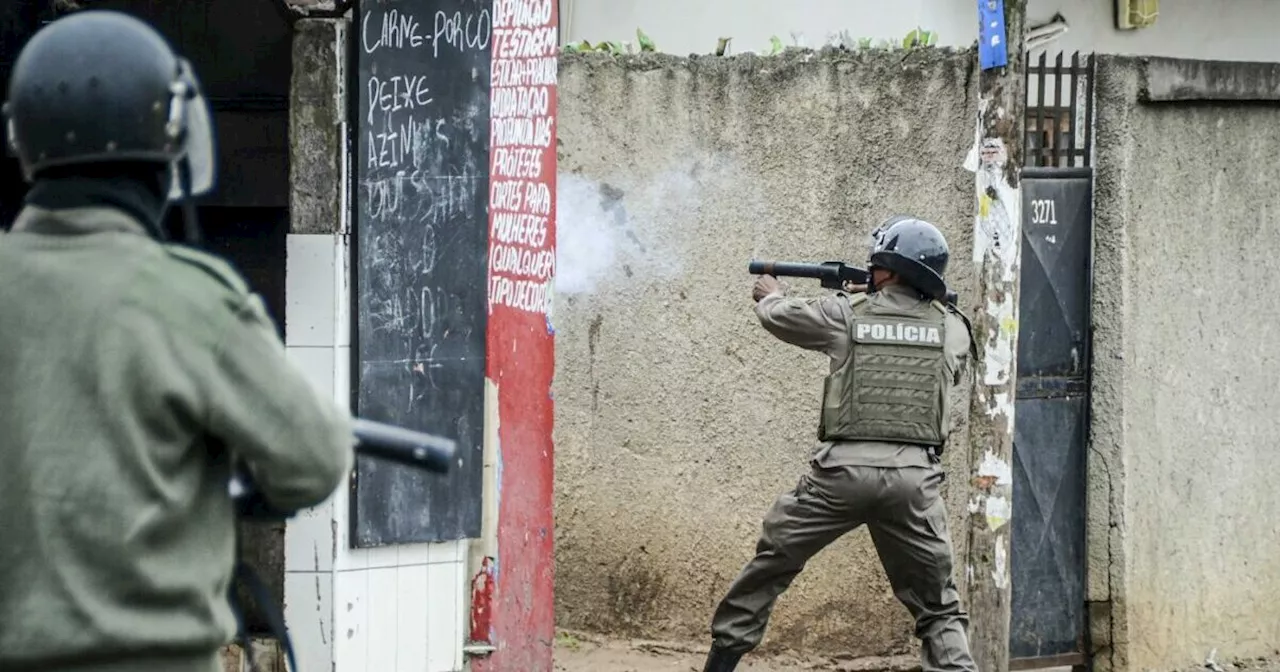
[719, 660]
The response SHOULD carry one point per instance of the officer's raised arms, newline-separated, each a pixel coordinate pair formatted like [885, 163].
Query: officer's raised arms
[813, 324]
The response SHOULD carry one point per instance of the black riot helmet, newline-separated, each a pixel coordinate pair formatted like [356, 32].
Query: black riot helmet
[101, 87]
[914, 249]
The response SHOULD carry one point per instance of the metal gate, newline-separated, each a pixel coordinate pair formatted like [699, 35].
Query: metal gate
[1049, 625]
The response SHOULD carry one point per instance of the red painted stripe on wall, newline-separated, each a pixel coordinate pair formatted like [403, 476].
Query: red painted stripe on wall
[521, 339]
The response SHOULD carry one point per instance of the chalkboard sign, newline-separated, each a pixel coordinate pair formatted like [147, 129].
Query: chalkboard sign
[421, 168]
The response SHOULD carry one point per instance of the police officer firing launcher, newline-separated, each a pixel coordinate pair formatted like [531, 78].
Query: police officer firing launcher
[896, 352]
[136, 371]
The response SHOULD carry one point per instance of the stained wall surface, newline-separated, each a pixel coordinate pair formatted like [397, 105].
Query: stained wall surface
[678, 419]
[1186, 408]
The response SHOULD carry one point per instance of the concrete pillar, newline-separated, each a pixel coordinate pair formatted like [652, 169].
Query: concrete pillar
[513, 617]
[996, 160]
[347, 610]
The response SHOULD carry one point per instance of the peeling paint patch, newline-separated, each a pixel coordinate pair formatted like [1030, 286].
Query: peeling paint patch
[1008, 326]
[999, 511]
[1000, 575]
[974, 506]
[497, 469]
[493, 460]
[482, 587]
[993, 152]
[999, 348]
[995, 469]
[972, 160]
[992, 472]
[1001, 404]
[551, 302]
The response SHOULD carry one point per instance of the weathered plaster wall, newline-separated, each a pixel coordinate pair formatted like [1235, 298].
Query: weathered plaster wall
[678, 419]
[1187, 411]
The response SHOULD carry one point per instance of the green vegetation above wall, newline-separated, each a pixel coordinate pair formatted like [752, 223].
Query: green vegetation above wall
[917, 38]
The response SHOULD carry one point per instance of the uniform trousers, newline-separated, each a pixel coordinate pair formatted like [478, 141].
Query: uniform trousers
[904, 512]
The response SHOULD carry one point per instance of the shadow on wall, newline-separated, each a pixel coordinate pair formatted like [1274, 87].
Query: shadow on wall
[678, 419]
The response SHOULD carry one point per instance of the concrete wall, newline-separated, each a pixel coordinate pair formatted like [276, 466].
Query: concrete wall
[1239, 29]
[1183, 498]
[678, 419]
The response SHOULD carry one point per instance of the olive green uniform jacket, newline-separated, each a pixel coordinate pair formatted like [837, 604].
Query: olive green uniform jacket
[132, 373]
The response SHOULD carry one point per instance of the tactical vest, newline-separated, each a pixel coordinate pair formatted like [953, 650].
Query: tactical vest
[893, 384]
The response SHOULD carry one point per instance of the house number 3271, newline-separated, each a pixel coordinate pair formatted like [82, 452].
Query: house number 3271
[1044, 211]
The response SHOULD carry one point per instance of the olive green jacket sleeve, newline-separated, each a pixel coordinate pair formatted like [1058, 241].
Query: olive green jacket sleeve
[297, 445]
[819, 324]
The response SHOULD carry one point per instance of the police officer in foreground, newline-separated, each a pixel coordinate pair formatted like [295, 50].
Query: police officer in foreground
[896, 352]
[136, 371]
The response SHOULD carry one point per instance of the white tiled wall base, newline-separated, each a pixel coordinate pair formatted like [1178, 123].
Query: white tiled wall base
[388, 609]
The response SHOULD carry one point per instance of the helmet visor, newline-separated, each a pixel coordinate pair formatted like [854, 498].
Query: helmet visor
[198, 144]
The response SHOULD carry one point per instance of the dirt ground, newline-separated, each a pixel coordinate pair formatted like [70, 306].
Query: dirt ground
[578, 652]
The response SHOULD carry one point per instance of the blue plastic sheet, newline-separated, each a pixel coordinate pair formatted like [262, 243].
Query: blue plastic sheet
[992, 50]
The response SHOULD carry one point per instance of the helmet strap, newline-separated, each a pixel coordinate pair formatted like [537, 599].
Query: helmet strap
[190, 225]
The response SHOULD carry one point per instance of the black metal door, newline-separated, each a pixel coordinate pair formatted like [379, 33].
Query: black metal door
[1048, 545]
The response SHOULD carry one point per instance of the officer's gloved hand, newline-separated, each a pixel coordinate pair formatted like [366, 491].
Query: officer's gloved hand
[250, 504]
